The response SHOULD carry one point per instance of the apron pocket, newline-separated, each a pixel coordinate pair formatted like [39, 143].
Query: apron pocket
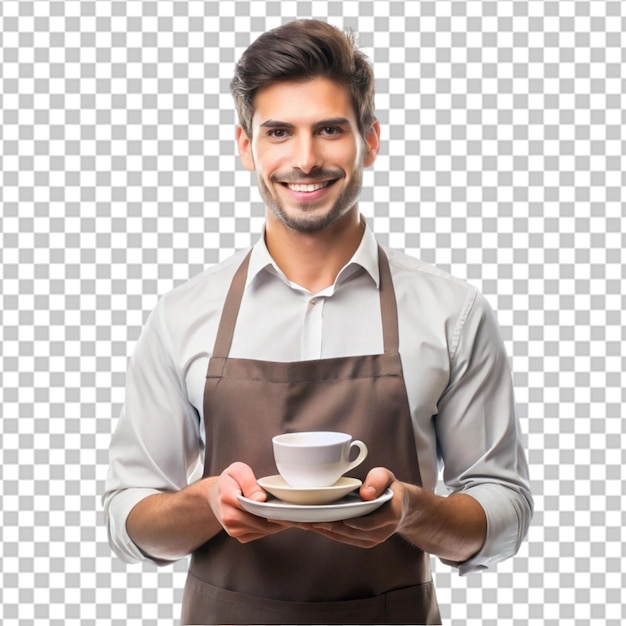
[205, 604]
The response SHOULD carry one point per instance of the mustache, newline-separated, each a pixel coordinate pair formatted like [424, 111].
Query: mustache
[297, 176]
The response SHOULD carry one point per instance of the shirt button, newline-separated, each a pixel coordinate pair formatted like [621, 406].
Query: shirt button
[313, 301]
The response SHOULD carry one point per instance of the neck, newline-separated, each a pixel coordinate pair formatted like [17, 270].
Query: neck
[313, 260]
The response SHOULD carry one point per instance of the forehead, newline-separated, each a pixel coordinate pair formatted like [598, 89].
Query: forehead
[303, 102]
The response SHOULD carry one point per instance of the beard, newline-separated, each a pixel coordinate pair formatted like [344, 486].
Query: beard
[308, 217]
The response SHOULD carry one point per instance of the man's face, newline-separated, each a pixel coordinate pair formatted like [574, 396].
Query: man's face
[307, 152]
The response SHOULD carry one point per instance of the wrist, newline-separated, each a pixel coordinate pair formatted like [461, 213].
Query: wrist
[450, 527]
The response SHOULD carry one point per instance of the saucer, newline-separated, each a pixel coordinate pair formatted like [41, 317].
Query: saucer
[347, 508]
[277, 486]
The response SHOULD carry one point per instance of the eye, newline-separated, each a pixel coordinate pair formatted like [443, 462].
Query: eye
[277, 133]
[330, 131]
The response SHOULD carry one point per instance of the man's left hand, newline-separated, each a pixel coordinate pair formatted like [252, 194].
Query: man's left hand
[370, 530]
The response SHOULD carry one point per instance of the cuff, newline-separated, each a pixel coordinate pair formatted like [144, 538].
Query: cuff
[505, 528]
[116, 513]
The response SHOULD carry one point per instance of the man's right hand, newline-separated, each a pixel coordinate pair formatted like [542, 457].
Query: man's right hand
[239, 479]
[168, 526]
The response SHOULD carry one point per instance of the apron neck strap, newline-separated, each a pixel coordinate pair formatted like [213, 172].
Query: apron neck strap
[388, 307]
[226, 329]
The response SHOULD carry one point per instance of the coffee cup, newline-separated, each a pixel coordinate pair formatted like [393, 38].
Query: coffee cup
[315, 459]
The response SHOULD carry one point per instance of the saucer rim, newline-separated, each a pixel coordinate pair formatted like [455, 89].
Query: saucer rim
[342, 483]
[348, 507]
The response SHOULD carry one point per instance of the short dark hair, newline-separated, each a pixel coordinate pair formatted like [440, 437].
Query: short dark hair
[303, 50]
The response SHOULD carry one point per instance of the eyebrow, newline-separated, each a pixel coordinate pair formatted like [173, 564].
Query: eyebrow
[333, 121]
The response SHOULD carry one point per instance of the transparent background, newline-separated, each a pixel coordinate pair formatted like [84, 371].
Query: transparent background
[502, 162]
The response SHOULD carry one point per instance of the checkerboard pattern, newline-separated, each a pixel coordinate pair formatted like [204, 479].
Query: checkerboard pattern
[503, 161]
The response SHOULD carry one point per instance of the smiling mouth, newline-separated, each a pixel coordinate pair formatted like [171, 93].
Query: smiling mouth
[308, 188]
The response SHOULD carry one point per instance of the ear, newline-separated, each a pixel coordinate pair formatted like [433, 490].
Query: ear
[244, 145]
[372, 141]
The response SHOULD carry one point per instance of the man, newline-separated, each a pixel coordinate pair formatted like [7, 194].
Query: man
[316, 328]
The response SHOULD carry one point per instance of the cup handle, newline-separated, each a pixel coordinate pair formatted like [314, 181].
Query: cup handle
[362, 454]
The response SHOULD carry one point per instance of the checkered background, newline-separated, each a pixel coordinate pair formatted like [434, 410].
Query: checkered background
[502, 161]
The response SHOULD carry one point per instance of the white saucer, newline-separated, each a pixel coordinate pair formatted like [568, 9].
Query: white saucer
[277, 486]
[346, 508]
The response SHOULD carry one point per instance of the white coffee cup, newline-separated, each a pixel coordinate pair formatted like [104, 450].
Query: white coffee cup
[315, 459]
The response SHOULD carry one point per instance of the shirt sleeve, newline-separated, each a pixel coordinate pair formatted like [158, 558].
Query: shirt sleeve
[480, 437]
[155, 447]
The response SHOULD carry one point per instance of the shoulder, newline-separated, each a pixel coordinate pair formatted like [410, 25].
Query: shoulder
[217, 276]
[199, 297]
[438, 301]
[411, 274]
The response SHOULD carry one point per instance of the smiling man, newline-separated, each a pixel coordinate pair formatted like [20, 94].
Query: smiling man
[305, 145]
[317, 327]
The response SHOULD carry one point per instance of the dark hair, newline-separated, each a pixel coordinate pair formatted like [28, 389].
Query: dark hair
[303, 50]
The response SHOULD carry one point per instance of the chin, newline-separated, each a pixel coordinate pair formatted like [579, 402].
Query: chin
[309, 220]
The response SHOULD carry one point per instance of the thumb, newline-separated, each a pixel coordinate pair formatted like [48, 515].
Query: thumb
[376, 482]
[243, 475]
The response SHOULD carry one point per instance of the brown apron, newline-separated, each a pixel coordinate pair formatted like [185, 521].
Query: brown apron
[295, 576]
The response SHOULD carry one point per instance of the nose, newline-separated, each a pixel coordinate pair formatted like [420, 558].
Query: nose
[307, 155]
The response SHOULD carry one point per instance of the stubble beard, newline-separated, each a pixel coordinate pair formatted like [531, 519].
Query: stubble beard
[304, 218]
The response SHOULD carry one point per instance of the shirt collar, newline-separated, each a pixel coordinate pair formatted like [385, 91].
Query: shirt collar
[366, 257]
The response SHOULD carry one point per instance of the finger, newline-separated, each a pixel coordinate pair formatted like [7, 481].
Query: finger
[374, 522]
[247, 527]
[376, 482]
[350, 538]
[243, 475]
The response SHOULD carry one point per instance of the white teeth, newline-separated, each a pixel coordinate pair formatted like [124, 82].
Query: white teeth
[306, 188]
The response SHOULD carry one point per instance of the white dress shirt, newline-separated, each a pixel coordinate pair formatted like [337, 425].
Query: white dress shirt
[455, 368]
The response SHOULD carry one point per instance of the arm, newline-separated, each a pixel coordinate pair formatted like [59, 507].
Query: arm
[156, 444]
[168, 526]
[452, 528]
[480, 438]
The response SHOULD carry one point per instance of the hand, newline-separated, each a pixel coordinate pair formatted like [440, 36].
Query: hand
[373, 529]
[239, 479]
[452, 527]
